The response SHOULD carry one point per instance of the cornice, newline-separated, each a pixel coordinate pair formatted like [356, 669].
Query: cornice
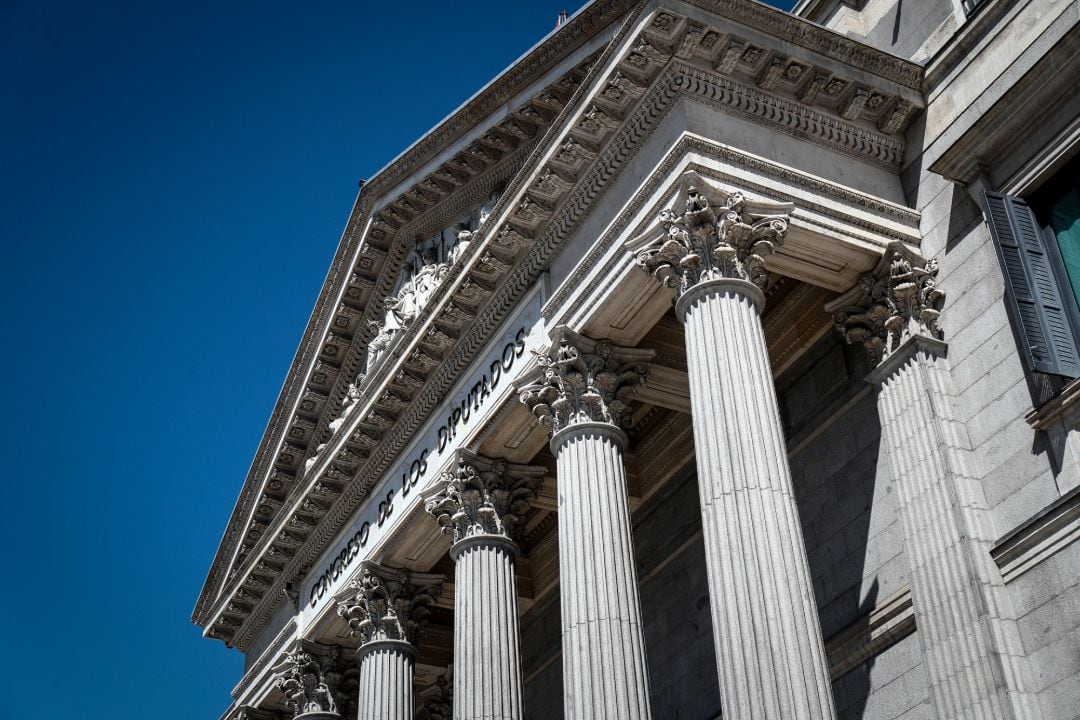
[799, 31]
[1062, 408]
[498, 268]
[490, 294]
[359, 268]
[272, 653]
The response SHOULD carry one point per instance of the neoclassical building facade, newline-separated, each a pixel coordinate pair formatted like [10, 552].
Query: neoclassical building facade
[711, 361]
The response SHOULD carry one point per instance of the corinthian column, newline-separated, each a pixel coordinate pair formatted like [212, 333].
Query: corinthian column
[769, 650]
[581, 395]
[308, 680]
[387, 608]
[480, 502]
[974, 656]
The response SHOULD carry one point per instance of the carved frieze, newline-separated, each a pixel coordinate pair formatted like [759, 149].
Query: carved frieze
[481, 496]
[584, 380]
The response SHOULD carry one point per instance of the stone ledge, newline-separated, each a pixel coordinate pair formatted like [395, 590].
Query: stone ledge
[870, 635]
[1044, 535]
[1064, 407]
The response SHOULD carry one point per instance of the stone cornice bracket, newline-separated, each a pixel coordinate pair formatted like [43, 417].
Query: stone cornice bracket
[386, 603]
[898, 301]
[480, 496]
[580, 380]
[714, 235]
[308, 678]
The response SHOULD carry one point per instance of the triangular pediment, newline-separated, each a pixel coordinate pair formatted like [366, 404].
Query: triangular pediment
[744, 60]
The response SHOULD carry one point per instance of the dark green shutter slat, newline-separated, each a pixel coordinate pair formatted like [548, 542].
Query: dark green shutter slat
[1034, 292]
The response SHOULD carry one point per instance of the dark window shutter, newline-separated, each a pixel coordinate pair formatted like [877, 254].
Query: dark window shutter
[1027, 258]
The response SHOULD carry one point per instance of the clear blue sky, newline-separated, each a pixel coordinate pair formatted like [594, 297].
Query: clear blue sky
[174, 178]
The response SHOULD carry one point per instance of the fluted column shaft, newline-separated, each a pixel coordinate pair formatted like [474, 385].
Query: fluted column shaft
[604, 670]
[487, 657]
[386, 680]
[769, 649]
[972, 647]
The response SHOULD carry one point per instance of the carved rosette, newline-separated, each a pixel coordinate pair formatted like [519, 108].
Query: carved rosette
[705, 243]
[483, 497]
[308, 679]
[895, 302]
[585, 381]
[387, 603]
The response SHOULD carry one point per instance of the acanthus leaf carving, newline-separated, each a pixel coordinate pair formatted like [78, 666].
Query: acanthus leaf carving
[583, 380]
[706, 242]
[307, 678]
[481, 496]
[898, 300]
[385, 603]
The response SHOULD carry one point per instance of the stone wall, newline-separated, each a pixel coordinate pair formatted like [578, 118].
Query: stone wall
[1047, 599]
[1022, 471]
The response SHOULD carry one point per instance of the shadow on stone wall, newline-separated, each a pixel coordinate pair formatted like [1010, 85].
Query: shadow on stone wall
[832, 427]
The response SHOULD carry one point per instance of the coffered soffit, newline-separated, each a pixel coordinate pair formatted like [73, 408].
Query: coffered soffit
[777, 70]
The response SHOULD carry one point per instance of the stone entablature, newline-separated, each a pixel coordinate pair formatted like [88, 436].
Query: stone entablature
[664, 59]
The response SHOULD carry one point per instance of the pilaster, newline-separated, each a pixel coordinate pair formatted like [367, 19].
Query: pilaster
[972, 646]
[582, 393]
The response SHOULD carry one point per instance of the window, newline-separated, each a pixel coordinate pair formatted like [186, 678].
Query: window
[1038, 244]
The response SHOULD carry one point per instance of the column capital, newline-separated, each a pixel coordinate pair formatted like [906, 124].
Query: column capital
[308, 678]
[711, 238]
[581, 380]
[480, 496]
[895, 303]
[385, 603]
